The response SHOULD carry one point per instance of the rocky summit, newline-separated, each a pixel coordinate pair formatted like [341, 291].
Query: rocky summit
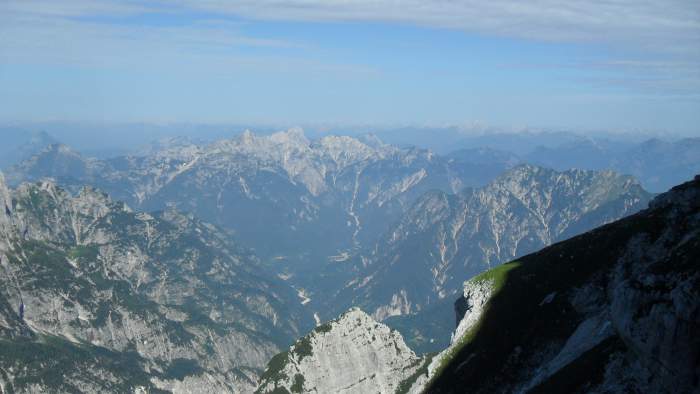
[352, 354]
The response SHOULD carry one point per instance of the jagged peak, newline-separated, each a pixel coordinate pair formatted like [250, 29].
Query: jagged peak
[295, 133]
[345, 150]
[354, 313]
[382, 359]
[527, 171]
[47, 184]
[247, 136]
[52, 152]
[91, 191]
[87, 196]
[331, 139]
[542, 186]
[250, 140]
[291, 137]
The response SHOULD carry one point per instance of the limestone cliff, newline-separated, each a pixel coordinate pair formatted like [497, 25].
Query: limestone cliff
[352, 354]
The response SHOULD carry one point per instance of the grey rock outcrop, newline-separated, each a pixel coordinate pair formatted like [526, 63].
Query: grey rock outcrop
[352, 354]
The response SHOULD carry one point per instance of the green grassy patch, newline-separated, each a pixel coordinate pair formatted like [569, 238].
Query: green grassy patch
[275, 367]
[498, 277]
[303, 348]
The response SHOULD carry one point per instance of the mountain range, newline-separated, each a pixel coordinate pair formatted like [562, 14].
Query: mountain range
[299, 204]
[418, 266]
[613, 310]
[353, 221]
[195, 262]
[98, 297]
[656, 163]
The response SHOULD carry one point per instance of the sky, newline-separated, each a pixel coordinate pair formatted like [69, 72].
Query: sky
[580, 65]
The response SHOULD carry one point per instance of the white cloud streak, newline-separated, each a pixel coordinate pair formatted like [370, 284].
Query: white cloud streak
[658, 39]
[71, 33]
[643, 22]
[671, 23]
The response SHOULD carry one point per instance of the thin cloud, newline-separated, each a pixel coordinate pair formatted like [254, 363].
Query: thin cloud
[672, 77]
[71, 33]
[642, 22]
[672, 23]
[70, 8]
[670, 28]
[658, 42]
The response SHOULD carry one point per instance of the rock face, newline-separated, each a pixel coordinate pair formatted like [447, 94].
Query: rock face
[613, 310]
[420, 263]
[97, 298]
[352, 354]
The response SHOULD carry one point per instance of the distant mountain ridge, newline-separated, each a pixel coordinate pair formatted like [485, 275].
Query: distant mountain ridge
[325, 198]
[657, 164]
[20, 144]
[445, 237]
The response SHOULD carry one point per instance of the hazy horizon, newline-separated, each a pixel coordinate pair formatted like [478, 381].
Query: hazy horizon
[110, 139]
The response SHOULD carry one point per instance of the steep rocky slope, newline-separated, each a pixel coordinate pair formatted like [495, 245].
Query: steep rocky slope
[96, 297]
[444, 238]
[352, 354]
[614, 310]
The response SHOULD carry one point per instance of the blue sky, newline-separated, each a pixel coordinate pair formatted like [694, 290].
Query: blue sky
[613, 65]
